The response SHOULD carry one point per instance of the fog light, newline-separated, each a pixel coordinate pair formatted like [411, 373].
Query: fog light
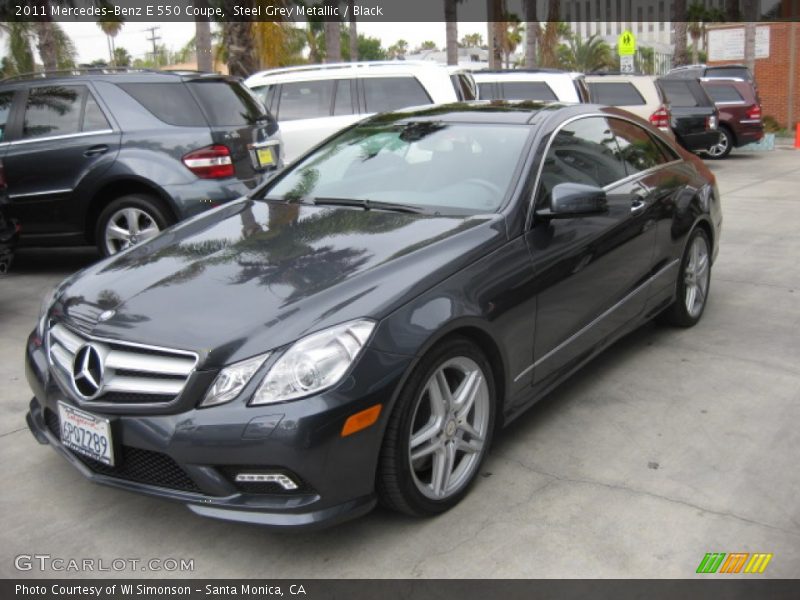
[282, 480]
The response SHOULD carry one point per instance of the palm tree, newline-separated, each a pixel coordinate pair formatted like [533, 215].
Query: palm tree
[750, 14]
[202, 41]
[531, 32]
[19, 57]
[122, 57]
[353, 32]
[333, 38]
[679, 22]
[592, 55]
[511, 30]
[548, 44]
[111, 27]
[451, 31]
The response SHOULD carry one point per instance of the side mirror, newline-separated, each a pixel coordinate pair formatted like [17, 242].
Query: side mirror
[569, 200]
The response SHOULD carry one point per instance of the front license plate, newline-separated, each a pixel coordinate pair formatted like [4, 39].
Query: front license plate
[86, 433]
[265, 157]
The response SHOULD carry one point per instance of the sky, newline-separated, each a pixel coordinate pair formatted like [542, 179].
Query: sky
[91, 43]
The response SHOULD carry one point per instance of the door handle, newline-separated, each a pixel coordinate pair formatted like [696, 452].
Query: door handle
[638, 205]
[96, 150]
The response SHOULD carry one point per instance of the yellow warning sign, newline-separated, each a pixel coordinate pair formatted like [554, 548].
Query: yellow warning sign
[626, 44]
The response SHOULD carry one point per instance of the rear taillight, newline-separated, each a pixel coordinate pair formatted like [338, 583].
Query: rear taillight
[711, 122]
[211, 162]
[660, 118]
[754, 112]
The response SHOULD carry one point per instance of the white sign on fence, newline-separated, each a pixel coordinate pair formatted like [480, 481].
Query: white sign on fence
[728, 44]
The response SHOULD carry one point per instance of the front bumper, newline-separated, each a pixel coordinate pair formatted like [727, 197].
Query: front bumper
[192, 456]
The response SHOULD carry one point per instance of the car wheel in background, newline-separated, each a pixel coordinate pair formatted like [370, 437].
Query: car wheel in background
[439, 432]
[129, 220]
[694, 281]
[722, 148]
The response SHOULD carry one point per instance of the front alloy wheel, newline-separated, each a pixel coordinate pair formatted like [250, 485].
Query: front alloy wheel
[439, 432]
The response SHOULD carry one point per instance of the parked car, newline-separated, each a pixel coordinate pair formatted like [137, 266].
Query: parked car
[693, 117]
[638, 94]
[536, 84]
[315, 101]
[9, 229]
[739, 114]
[380, 308]
[111, 157]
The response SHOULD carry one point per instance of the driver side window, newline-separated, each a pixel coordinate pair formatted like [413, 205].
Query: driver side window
[583, 151]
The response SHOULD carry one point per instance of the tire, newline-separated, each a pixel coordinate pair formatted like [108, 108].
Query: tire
[129, 220]
[456, 435]
[724, 146]
[688, 308]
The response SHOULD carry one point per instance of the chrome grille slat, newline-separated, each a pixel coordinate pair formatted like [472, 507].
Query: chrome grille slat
[144, 371]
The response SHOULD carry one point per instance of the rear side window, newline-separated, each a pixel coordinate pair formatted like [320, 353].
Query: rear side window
[487, 91]
[678, 93]
[390, 93]
[266, 93]
[723, 93]
[527, 90]
[305, 100]
[637, 148]
[53, 110]
[227, 103]
[5, 108]
[615, 93]
[93, 117]
[740, 72]
[169, 102]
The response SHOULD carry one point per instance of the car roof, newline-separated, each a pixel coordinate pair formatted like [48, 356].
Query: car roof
[113, 75]
[341, 70]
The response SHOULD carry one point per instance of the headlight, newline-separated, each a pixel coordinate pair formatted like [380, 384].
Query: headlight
[231, 380]
[314, 363]
[47, 303]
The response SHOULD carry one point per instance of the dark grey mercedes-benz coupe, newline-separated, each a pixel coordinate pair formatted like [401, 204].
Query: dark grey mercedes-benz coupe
[359, 328]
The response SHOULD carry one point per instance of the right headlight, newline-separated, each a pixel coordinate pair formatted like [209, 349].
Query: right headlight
[314, 363]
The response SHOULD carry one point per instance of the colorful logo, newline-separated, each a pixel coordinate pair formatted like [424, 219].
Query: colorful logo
[736, 562]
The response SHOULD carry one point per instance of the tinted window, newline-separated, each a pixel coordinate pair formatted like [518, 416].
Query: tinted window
[53, 110]
[678, 92]
[740, 72]
[169, 102]
[305, 100]
[637, 149]
[418, 163]
[93, 117]
[486, 91]
[266, 93]
[227, 103]
[390, 93]
[343, 105]
[615, 93]
[527, 90]
[583, 151]
[5, 108]
[723, 93]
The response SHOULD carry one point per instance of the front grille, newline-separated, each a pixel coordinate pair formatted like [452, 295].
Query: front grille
[128, 373]
[134, 464]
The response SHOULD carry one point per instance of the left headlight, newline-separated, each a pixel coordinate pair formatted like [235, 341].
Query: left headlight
[231, 381]
[314, 363]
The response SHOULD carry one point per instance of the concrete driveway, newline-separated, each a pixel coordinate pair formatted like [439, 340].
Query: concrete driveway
[671, 445]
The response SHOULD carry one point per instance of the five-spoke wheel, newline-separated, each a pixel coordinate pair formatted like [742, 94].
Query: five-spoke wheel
[128, 221]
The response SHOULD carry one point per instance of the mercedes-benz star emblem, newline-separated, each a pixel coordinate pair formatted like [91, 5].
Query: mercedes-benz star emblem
[87, 371]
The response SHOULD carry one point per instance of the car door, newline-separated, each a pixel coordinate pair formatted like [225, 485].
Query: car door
[60, 136]
[591, 271]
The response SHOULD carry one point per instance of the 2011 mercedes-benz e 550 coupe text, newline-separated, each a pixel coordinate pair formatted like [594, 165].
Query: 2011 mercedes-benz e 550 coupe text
[360, 326]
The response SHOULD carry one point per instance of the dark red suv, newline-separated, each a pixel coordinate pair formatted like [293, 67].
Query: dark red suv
[739, 113]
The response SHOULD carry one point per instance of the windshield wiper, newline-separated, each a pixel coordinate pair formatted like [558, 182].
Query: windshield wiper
[368, 204]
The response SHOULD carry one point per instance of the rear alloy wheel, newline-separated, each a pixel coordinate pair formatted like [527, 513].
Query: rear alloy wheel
[694, 281]
[439, 432]
[128, 221]
[722, 148]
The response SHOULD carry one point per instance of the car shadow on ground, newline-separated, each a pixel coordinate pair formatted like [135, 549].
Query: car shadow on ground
[36, 261]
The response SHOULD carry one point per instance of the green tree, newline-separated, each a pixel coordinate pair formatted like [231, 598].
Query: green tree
[428, 45]
[472, 40]
[594, 54]
[398, 50]
[111, 26]
[122, 57]
[511, 30]
[369, 48]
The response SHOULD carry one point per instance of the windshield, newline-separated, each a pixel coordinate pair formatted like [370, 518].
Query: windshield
[424, 164]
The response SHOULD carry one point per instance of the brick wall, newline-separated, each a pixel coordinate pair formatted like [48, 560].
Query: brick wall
[772, 74]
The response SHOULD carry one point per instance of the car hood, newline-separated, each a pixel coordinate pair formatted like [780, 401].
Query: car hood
[252, 275]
